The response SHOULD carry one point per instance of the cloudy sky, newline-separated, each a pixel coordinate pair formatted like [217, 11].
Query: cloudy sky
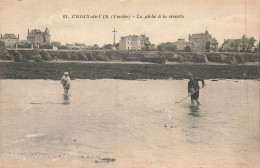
[224, 19]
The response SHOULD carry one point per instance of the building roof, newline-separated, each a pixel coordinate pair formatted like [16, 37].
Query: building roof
[200, 35]
[34, 32]
[38, 31]
[132, 37]
[47, 31]
[11, 36]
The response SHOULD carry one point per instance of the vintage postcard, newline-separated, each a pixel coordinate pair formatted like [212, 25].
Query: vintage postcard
[129, 83]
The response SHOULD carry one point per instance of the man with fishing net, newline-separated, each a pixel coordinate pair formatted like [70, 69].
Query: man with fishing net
[193, 88]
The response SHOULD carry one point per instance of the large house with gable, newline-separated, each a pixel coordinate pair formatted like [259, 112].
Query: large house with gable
[198, 42]
[37, 37]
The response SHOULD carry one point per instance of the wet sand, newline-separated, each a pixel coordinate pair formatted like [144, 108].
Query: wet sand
[119, 123]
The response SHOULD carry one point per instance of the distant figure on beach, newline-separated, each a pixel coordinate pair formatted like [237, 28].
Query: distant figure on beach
[65, 80]
[193, 88]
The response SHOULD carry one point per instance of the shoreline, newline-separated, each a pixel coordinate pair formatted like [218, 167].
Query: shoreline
[128, 71]
[140, 62]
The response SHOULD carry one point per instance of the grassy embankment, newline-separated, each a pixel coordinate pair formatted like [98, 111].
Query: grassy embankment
[54, 71]
[23, 68]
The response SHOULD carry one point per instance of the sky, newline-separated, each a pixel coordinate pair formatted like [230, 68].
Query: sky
[224, 19]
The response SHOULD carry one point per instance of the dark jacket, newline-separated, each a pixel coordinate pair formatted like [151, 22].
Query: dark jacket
[194, 83]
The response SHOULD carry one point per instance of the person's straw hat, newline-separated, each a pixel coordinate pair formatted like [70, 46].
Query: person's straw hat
[66, 73]
[189, 74]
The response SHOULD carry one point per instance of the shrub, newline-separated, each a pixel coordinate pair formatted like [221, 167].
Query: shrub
[29, 54]
[213, 57]
[45, 55]
[18, 57]
[198, 58]
[65, 55]
[192, 57]
[73, 56]
[114, 55]
[24, 44]
[167, 55]
[38, 58]
[82, 56]
[2, 45]
[159, 60]
[187, 49]
[46, 46]
[251, 57]
[131, 59]
[175, 59]
[100, 56]
[228, 60]
[4, 55]
[89, 56]
[152, 57]
[54, 54]
[64, 47]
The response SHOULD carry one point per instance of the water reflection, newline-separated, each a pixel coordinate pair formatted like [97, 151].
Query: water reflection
[194, 111]
[66, 99]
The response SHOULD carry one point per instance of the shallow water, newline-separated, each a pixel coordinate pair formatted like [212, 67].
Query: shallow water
[119, 123]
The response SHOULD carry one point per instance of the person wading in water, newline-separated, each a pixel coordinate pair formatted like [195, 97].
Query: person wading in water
[193, 88]
[65, 80]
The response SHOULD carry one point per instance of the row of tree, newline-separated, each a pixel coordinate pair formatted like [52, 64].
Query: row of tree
[240, 45]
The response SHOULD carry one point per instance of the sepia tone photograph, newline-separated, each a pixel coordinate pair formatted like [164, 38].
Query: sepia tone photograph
[129, 84]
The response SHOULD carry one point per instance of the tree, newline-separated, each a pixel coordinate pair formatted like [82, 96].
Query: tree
[152, 47]
[64, 47]
[4, 54]
[187, 49]
[244, 44]
[247, 44]
[207, 47]
[95, 47]
[166, 47]
[170, 46]
[159, 48]
[17, 57]
[107, 46]
[145, 42]
[80, 44]
[56, 44]
[46, 46]
[2, 45]
[252, 41]
[117, 45]
[257, 48]
[24, 44]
